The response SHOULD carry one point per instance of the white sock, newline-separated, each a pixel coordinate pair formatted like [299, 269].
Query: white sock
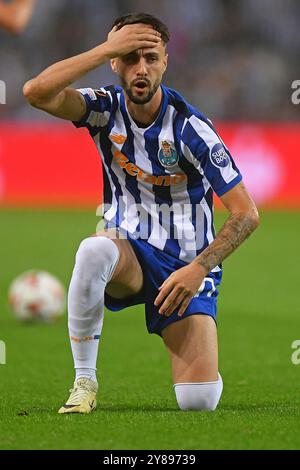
[200, 395]
[96, 260]
[85, 372]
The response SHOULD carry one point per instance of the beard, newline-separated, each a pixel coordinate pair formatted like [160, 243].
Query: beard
[141, 99]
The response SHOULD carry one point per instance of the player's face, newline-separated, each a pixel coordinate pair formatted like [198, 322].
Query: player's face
[141, 72]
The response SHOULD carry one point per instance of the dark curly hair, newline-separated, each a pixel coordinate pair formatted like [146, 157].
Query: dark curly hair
[133, 18]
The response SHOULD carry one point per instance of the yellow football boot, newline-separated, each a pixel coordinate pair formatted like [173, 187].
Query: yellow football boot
[82, 398]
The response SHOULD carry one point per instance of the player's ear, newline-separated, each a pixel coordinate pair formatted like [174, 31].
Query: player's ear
[166, 61]
[113, 64]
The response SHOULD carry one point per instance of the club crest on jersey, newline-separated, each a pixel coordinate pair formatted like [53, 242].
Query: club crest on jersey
[167, 154]
[218, 156]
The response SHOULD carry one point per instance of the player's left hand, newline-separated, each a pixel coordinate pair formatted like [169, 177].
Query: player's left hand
[179, 289]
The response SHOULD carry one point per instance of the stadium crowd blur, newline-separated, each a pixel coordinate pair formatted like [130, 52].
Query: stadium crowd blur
[232, 59]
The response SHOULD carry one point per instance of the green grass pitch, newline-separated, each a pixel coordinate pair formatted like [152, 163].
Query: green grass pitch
[258, 318]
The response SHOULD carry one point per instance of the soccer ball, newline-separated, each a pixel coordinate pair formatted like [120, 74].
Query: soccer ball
[37, 296]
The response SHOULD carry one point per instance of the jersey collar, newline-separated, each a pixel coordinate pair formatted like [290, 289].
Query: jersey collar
[158, 120]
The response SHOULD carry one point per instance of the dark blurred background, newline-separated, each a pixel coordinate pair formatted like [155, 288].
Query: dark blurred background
[235, 60]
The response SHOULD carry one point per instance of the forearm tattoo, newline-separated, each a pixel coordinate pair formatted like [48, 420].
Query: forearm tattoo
[236, 229]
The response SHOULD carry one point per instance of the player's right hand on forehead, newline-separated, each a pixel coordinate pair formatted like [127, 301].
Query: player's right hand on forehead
[130, 38]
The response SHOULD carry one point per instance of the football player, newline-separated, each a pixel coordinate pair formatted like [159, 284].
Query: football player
[162, 161]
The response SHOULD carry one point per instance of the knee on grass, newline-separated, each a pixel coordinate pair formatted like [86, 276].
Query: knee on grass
[202, 396]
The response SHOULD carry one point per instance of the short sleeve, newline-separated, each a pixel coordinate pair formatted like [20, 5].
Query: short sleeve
[98, 109]
[209, 155]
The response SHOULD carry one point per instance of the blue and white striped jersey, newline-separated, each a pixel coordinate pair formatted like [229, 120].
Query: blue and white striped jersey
[159, 180]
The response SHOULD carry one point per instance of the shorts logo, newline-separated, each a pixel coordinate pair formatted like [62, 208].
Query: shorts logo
[218, 156]
[167, 154]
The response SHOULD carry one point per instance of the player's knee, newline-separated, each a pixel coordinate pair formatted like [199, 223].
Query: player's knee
[97, 255]
[203, 396]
